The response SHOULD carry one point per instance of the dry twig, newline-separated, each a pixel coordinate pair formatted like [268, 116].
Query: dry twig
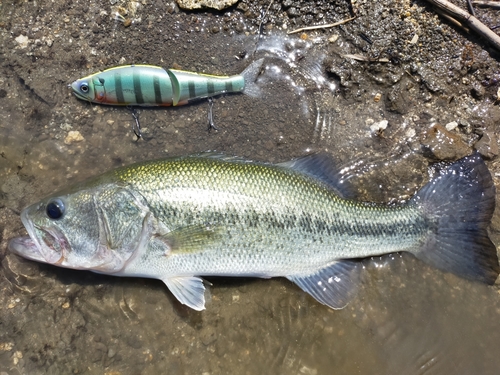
[315, 27]
[468, 20]
[365, 58]
[490, 4]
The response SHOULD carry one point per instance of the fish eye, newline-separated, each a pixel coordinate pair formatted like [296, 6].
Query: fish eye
[84, 87]
[55, 209]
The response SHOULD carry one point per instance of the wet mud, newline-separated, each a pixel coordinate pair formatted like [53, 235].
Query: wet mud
[387, 94]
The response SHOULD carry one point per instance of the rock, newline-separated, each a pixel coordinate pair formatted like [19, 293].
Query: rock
[442, 144]
[198, 4]
[487, 146]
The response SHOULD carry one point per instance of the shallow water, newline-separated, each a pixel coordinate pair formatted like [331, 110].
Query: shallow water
[407, 317]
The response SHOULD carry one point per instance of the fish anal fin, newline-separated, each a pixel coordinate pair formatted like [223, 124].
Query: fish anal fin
[334, 285]
[189, 290]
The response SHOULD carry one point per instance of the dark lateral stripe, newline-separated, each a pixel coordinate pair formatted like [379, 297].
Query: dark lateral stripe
[192, 89]
[119, 88]
[210, 87]
[137, 89]
[229, 86]
[156, 85]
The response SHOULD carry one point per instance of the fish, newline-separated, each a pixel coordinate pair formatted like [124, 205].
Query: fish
[181, 218]
[148, 85]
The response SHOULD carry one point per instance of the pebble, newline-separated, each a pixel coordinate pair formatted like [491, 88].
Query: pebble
[451, 125]
[22, 40]
[73, 137]
[198, 4]
[379, 126]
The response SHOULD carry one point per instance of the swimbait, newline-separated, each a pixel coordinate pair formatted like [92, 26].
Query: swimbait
[181, 218]
[147, 85]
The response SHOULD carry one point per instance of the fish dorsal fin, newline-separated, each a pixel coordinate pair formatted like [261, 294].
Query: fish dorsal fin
[322, 167]
[189, 290]
[334, 285]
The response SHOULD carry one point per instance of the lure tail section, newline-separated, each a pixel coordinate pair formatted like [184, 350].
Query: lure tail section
[250, 75]
[459, 203]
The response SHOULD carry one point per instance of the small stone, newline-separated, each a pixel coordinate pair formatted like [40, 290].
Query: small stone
[198, 4]
[379, 126]
[73, 137]
[410, 133]
[6, 346]
[65, 305]
[333, 38]
[111, 353]
[22, 40]
[451, 125]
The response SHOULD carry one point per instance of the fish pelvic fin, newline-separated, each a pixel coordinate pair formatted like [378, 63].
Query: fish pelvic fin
[189, 290]
[250, 75]
[334, 285]
[459, 203]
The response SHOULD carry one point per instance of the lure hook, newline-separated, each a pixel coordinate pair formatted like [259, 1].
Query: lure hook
[136, 126]
[211, 124]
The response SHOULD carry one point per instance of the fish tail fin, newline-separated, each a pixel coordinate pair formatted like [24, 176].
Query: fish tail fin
[459, 203]
[250, 75]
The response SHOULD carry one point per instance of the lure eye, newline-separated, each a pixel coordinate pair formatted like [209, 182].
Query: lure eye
[84, 87]
[55, 209]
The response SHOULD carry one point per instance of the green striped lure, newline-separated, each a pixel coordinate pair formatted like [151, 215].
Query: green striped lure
[147, 85]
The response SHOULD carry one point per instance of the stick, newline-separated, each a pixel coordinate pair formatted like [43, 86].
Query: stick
[365, 58]
[491, 4]
[471, 8]
[469, 20]
[315, 27]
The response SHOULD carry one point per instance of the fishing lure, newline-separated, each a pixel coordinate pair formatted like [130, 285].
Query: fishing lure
[147, 85]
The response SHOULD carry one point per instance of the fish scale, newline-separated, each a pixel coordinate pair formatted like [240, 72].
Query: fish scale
[275, 207]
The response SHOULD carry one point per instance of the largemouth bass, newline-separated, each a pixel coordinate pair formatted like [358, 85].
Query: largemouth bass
[181, 218]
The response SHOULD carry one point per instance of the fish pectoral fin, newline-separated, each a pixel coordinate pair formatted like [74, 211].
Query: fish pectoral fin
[189, 290]
[190, 239]
[334, 285]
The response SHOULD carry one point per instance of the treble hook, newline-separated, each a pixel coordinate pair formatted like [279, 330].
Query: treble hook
[211, 123]
[136, 127]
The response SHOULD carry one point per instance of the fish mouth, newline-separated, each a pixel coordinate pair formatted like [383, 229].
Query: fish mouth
[42, 244]
[26, 248]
